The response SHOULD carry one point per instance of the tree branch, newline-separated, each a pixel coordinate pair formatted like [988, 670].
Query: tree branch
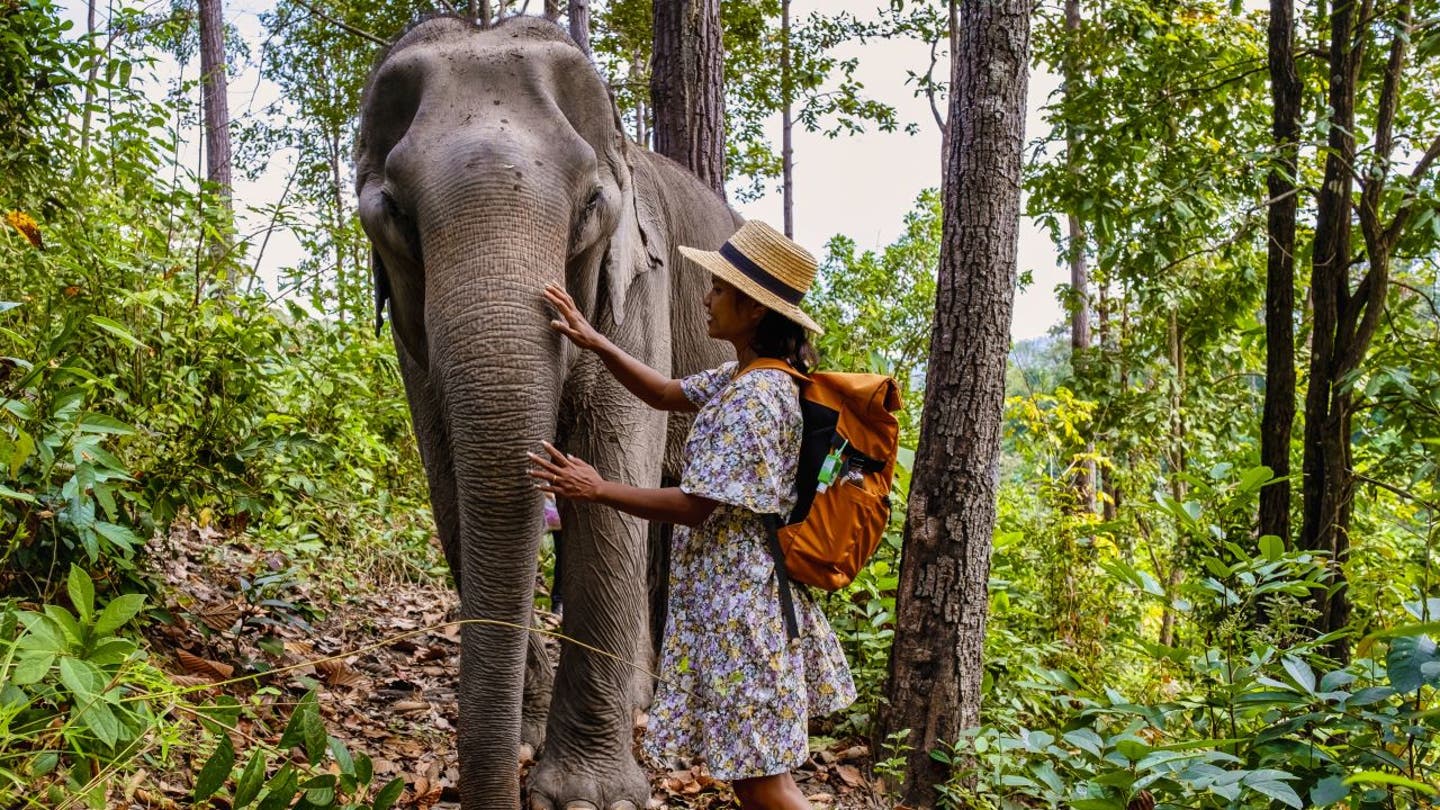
[342, 24]
[1402, 216]
[930, 86]
[1434, 507]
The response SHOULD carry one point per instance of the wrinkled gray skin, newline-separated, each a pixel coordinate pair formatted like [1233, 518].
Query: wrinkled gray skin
[490, 162]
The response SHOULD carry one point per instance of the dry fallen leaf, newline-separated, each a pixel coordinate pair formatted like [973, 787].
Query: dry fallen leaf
[204, 667]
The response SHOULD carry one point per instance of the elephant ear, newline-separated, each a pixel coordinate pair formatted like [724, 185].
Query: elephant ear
[635, 245]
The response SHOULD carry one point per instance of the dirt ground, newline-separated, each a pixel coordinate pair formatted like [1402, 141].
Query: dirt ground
[385, 664]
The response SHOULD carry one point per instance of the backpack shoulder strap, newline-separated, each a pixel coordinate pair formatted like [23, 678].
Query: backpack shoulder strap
[777, 365]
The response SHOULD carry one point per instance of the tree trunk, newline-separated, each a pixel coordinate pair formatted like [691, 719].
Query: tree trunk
[1084, 476]
[1177, 464]
[552, 10]
[1279, 414]
[580, 24]
[687, 88]
[216, 101]
[89, 85]
[935, 664]
[787, 155]
[1325, 466]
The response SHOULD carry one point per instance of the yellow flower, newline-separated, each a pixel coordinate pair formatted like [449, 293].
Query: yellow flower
[22, 222]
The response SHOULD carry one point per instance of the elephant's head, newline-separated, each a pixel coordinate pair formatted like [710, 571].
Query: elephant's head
[489, 163]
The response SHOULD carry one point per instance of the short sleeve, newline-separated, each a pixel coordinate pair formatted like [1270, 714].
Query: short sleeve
[745, 445]
[700, 388]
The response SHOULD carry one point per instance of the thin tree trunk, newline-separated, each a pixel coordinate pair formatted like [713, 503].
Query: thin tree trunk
[89, 84]
[1279, 413]
[935, 665]
[1107, 480]
[1177, 463]
[687, 88]
[787, 154]
[1084, 476]
[216, 101]
[552, 10]
[580, 24]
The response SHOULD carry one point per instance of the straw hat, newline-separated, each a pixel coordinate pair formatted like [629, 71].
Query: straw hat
[765, 265]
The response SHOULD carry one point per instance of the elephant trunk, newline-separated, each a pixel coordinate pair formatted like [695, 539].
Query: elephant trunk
[496, 368]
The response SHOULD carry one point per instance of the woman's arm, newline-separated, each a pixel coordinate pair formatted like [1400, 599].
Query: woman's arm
[652, 387]
[569, 477]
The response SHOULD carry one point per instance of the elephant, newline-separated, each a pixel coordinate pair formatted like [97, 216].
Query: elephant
[488, 162]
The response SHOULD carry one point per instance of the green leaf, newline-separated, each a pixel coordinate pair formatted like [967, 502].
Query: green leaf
[1407, 662]
[1086, 740]
[117, 535]
[342, 756]
[306, 729]
[82, 678]
[1301, 672]
[1383, 778]
[364, 769]
[247, 787]
[74, 633]
[120, 610]
[320, 790]
[216, 770]
[1271, 783]
[7, 492]
[99, 423]
[32, 667]
[82, 593]
[1329, 790]
[117, 329]
[387, 796]
[111, 652]
[1271, 547]
[42, 633]
[280, 790]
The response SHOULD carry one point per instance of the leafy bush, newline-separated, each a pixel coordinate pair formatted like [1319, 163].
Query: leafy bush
[1257, 717]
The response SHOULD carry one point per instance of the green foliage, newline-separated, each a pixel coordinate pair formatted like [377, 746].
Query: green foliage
[348, 786]
[876, 306]
[1240, 724]
[37, 64]
[825, 94]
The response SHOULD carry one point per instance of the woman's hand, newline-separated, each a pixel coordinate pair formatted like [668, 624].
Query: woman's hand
[565, 475]
[571, 323]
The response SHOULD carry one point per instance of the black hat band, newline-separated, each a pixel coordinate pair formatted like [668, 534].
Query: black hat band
[760, 275]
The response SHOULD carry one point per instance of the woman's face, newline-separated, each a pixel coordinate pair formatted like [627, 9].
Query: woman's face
[730, 314]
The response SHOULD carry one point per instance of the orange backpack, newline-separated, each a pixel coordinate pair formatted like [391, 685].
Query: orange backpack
[847, 460]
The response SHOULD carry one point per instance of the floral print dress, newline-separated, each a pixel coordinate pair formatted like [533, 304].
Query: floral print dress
[734, 691]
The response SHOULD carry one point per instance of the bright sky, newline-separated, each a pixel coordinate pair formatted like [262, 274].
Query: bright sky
[860, 186]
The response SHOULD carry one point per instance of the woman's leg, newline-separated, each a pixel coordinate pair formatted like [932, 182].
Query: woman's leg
[775, 792]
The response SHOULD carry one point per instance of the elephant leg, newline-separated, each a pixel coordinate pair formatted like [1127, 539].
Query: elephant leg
[588, 759]
[539, 681]
[433, 438]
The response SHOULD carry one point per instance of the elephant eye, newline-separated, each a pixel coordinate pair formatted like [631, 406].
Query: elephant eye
[392, 208]
[593, 201]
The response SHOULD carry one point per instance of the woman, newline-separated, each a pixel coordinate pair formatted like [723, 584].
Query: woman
[733, 690]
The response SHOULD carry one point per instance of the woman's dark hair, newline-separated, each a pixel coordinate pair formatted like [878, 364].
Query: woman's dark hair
[780, 338]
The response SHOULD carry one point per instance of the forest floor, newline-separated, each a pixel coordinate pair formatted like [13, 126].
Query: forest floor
[384, 660]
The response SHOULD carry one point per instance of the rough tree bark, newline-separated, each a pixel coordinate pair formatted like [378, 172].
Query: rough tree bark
[215, 99]
[1346, 317]
[687, 88]
[1279, 414]
[552, 10]
[580, 24]
[935, 664]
